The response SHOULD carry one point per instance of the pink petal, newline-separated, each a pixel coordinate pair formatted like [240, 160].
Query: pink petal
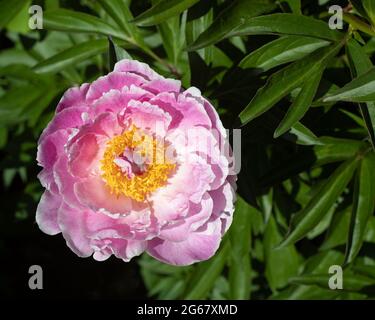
[73, 227]
[147, 117]
[186, 112]
[65, 182]
[51, 147]
[198, 215]
[83, 155]
[123, 249]
[66, 119]
[163, 85]
[189, 183]
[112, 81]
[223, 198]
[73, 97]
[46, 213]
[116, 100]
[200, 245]
[138, 68]
[94, 193]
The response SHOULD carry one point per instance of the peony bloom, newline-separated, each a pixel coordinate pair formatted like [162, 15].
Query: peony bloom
[134, 163]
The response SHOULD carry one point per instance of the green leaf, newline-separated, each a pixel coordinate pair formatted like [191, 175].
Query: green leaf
[317, 264]
[206, 274]
[283, 50]
[287, 23]
[364, 204]
[8, 10]
[72, 56]
[281, 264]
[121, 14]
[365, 270]
[20, 22]
[336, 149]
[194, 28]
[295, 5]
[338, 231]
[330, 150]
[304, 135]
[359, 64]
[229, 19]
[301, 104]
[283, 82]
[71, 21]
[163, 10]
[116, 53]
[306, 219]
[16, 100]
[361, 89]
[351, 282]
[240, 241]
[369, 6]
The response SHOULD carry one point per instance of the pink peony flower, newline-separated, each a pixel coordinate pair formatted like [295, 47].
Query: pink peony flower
[134, 163]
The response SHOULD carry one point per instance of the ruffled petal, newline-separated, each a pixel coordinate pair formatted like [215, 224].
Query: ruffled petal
[186, 112]
[198, 215]
[147, 117]
[200, 245]
[122, 249]
[138, 68]
[171, 202]
[72, 223]
[46, 213]
[223, 208]
[70, 118]
[73, 97]
[112, 81]
[163, 85]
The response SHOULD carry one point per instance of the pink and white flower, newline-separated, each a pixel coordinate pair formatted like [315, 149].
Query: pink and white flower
[134, 163]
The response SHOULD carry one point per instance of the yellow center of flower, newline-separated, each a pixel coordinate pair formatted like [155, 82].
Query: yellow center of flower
[134, 164]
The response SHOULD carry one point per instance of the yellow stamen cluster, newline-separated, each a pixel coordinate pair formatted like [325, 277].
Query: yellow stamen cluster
[140, 185]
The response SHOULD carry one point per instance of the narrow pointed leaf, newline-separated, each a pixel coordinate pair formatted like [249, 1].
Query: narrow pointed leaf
[304, 135]
[8, 10]
[71, 21]
[116, 53]
[230, 19]
[361, 89]
[287, 23]
[360, 63]
[239, 260]
[295, 5]
[163, 10]
[281, 264]
[206, 274]
[120, 13]
[71, 56]
[350, 282]
[283, 50]
[306, 219]
[300, 105]
[363, 206]
[369, 7]
[283, 82]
